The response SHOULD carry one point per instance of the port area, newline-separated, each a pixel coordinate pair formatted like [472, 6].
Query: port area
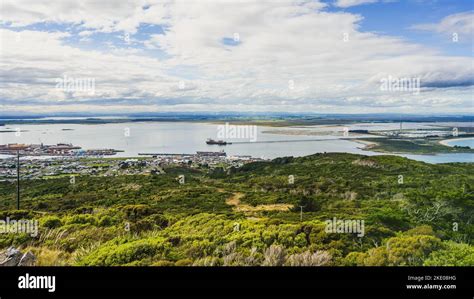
[54, 150]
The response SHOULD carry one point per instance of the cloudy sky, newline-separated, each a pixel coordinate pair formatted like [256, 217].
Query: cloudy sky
[335, 56]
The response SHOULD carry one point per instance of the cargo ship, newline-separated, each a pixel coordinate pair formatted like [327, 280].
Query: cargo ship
[218, 142]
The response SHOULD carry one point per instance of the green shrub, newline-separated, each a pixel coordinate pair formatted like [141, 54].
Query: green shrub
[159, 220]
[120, 252]
[134, 212]
[81, 219]
[15, 214]
[401, 251]
[201, 248]
[142, 225]
[14, 239]
[84, 235]
[184, 262]
[454, 254]
[105, 220]
[420, 230]
[51, 222]
[353, 259]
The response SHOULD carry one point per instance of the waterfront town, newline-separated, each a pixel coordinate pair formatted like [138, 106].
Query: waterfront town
[149, 164]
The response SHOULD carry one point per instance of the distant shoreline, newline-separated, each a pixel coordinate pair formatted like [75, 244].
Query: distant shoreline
[367, 145]
[268, 119]
[445, 142]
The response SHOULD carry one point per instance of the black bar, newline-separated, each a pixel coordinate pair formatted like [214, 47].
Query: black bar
[240, 282]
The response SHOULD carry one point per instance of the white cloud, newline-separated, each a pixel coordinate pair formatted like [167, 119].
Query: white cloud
[333, 65]
[461, 23]
[349, 3]
[106, 16]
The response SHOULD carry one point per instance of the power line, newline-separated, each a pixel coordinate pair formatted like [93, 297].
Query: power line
[18, 180]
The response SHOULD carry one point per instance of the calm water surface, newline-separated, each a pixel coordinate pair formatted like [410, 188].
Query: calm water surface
[181, 137]
[462, 142]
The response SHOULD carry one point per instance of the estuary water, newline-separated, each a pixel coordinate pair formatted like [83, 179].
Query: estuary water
[461, 142]
[188, 137]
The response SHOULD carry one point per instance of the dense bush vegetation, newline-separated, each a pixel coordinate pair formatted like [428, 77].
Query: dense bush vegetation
[414, 213]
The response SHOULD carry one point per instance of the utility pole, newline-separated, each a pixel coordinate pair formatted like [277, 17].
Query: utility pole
[301, 214]
[18, 180]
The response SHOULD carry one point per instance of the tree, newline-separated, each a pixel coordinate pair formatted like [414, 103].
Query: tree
[454, 254]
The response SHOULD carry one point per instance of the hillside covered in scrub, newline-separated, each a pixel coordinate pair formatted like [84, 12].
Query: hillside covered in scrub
[265, 213]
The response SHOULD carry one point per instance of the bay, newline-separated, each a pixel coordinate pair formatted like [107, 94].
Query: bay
[188, 137]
